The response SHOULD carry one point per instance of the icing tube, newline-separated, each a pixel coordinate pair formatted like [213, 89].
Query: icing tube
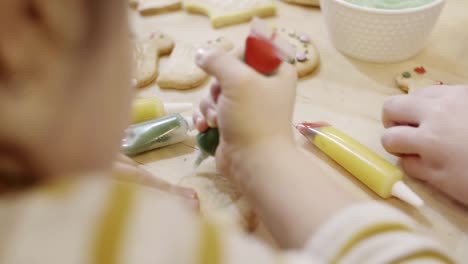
[375, 172]
[145, 109]
[155, 134]
[264, 52]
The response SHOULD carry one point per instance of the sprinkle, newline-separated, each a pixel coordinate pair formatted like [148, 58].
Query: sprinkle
[301, 57]
[306, 52]
[210, 42]
[161, 36]
[292, 61]
[420, 70]
[283, 29]
[219, 39]
[406, 75]
[440, 83]
[292, 33]
[304, 39]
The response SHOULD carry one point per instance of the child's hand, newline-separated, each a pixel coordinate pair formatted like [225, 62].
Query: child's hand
[249, 108]
[429, 130]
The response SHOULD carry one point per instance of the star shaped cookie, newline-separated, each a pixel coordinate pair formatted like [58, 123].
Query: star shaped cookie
[228, 12]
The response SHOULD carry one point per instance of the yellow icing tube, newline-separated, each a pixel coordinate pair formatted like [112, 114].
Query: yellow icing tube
[375, 172]
[145, 109]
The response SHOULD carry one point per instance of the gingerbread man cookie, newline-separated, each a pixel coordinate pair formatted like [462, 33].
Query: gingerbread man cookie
[304, 2]
[408, 81]
[146, 55]
[181, 72]
[307, 57]
[228, 12]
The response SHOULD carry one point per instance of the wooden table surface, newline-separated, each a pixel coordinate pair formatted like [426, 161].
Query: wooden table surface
[344, 92]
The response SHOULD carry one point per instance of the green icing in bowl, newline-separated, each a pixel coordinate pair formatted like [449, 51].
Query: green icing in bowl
[390, 4]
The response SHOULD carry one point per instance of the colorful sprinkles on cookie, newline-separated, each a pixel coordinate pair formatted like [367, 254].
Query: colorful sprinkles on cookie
[420, 70]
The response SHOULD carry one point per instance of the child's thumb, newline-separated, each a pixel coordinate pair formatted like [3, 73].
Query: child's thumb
[225, 67]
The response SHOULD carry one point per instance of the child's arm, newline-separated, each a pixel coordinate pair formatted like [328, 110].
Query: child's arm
[428, 130]
[257, 151]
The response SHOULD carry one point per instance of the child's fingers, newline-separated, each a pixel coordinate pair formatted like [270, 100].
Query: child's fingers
[402, 140]
[215, 91]
[206, 105]
[402, 109]
[238, 52]
[199, 121]
[414, 167]
[287, 72]
[225, 67]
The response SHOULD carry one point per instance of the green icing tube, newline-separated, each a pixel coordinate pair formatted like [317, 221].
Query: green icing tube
[155, 134]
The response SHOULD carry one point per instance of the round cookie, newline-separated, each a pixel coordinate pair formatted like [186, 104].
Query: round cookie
[307, 57]
[410, 80]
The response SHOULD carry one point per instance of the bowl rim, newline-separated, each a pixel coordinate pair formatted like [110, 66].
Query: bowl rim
[389, 11]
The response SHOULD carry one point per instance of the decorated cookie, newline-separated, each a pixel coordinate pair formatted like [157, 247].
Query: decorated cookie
[146, 55]
[218, 197]
[152, 6]
[307, 57]
[416, 78]
[228, 12]
[304, 2]
[181, 72]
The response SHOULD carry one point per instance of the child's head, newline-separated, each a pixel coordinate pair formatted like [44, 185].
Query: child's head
[64, 85]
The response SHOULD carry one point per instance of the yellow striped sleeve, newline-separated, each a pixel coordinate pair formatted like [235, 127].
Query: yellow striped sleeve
[374, 233]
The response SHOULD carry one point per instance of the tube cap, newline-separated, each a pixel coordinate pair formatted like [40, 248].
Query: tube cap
[404, 193]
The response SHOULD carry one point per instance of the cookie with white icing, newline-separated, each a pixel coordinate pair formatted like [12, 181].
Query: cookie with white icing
[304, 2]
[229, 12]
[307, 57]
[153, 6]
[181, 71]
[408, 81]
[146, 53]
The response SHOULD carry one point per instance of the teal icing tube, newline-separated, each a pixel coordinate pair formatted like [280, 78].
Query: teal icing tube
[155, 134]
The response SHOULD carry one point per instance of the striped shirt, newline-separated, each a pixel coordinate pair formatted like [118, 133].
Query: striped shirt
[104, 221]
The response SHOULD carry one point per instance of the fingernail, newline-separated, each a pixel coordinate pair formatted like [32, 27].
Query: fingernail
[201, 56]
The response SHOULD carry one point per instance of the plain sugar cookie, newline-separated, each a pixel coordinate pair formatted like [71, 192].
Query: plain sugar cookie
[146, 55]
[304, 2]
[181, 72]
[228, 12]
[218, 197]
[152, 6]
[408, 81]
[307, 57]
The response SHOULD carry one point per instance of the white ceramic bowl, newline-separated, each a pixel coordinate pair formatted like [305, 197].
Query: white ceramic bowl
[379, 35]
